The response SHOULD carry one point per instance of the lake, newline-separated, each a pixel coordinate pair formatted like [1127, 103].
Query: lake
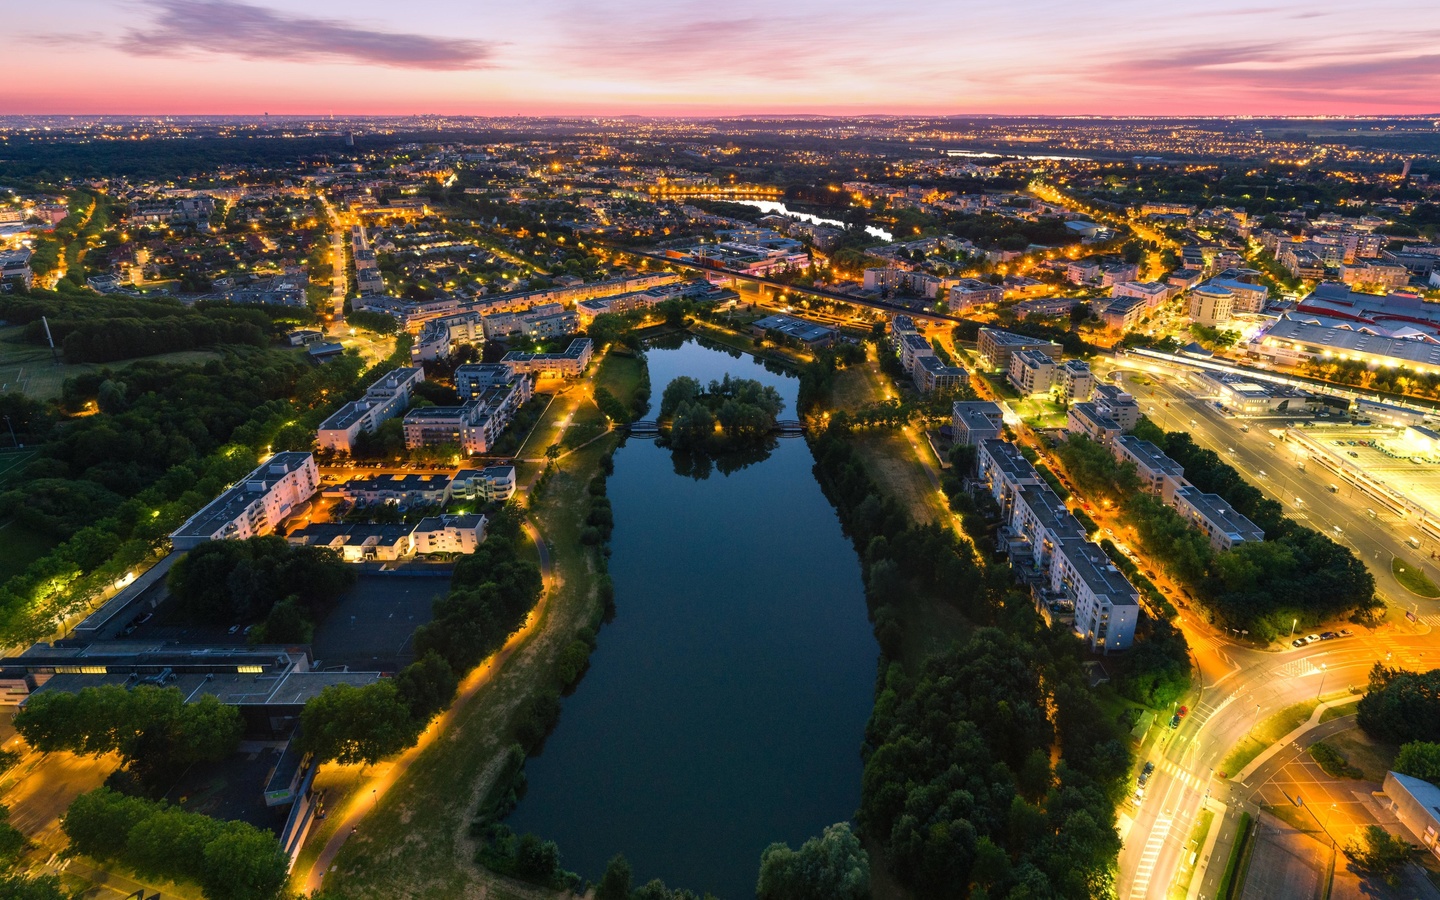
[725, 705]
[772, 206]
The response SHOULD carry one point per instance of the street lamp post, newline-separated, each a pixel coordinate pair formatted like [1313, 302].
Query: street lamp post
[1322, 683]
[1293, 622]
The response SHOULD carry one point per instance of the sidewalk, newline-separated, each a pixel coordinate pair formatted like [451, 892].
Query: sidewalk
[1295, 735]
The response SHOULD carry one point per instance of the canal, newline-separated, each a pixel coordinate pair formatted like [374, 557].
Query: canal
[725, 704]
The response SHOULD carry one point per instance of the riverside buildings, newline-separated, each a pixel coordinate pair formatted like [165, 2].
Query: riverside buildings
[1049, 548]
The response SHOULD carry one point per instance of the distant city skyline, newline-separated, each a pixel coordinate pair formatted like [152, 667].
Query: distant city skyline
[608, 57]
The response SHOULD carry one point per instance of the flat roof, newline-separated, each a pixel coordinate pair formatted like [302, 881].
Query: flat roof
[981, 413]
[1011, 462]
[1324, 337]
[1092, 412]
[234, 501]
[1009, 338]
[1152, 456]
[1099, 573]
[932, 363]
[1220, 513]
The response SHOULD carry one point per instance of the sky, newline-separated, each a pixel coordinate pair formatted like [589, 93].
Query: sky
[707, 57]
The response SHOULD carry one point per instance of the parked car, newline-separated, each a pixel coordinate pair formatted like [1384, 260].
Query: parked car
[1329, 635]
[1345, 632]
[1175, 721]
[1183, 711]
[1148, 768]
[1298, 642]
[233, 629]
[1311, 638]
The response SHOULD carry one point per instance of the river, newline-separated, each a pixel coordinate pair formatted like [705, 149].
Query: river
[773, 206]
[725, 705]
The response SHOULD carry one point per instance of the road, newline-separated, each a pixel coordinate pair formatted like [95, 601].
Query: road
[1241, 685]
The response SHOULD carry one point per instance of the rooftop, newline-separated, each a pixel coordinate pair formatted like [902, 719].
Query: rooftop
[225, 508]
[1150, 455]
[1220, 514]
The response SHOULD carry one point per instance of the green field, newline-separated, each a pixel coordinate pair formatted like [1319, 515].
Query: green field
[1413, 578]
[1266, 733]
[31, 370]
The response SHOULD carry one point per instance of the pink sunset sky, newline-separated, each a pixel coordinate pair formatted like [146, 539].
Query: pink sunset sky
[686, 57]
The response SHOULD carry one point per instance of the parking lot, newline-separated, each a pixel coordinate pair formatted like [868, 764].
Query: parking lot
[372, 626]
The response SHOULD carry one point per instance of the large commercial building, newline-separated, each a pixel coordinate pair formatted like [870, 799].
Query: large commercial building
[385, 399]
[1416, 803]
[1293, 340]
[995, 348]
[811, 334]
[255, 506]
[1046, 543]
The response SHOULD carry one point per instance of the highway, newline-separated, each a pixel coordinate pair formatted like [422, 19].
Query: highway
[1241, 685]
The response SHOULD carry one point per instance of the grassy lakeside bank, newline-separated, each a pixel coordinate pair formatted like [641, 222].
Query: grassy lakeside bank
[416, 842]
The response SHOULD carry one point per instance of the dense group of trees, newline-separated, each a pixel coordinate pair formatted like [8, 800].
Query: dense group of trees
[155, 732]
[959, 787]
[229, 860]
[731, 412]
[261, 579]
[1296, 572]
[1401, 706]
[832, 866]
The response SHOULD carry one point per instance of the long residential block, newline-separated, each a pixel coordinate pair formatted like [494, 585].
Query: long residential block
[254, 506]
[384, 399]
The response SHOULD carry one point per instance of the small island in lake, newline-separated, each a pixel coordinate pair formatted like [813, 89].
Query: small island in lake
[730, 414]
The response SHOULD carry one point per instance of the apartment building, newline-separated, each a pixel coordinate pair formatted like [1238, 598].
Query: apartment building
[409, 489]
[475, 425]
[975, 421]
[1217, 519]
[995, 348]
[1075, 382]
[1121, 314]
[568, 363]
[449, 534]
[1032, 372]
[490, 483]
[385, 399]
[1159, 474]
[911, 346]
[1089, 420]
[1153, 293]
[543, 320]
[931, 374]
[1116, 404]
[255, 506]
[1047, 544]
[971, 292]
[1211, 305]
[1247, 294]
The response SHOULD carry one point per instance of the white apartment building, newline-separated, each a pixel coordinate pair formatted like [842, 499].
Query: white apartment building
[449, 534]
[975, 421]
[1076, 383]
[569, 363]
[1032, 372]
[489, 483]
[1211, 305]
[971, 292]
[385, 399]
[1158, 473]
[1087, 419]
[254, 506]
[1153, 293]
[1217, 519]
[473, 426]
[1117, 404]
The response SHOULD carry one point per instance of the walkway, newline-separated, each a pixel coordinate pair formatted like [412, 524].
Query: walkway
[367, 796]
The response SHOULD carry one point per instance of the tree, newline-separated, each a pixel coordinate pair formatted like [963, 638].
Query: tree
[831, 867]
[426, 686]
[1377, 852]
[1401, 706]
[615, 883]
[536, 860]
[47, 887]
[351, 724]
[243, 863]
[12, 842]
[1419, 759]
[552, 452]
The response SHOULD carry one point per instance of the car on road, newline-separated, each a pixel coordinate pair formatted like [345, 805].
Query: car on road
[1329, 635]
[1353, 453]
[1175, 721]
[1183, 711]
[1148, 767]
[1345, 632]
[1298, 642]
[233, 629]
[1311, 638]
[1334, 489]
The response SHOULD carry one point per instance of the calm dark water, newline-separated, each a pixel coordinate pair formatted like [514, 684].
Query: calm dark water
[725, 704]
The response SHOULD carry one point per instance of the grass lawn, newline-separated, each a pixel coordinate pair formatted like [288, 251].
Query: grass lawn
[1335, 712]
[620, 375]
[1266, 733]
[1413, 578]
[415, 844]
[1039, 412]
[30, 369]
[19, 547]
[890, 459]
[1370, 756]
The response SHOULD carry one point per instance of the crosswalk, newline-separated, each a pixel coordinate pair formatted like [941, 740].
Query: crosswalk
[1141, 885]
[1296, 668]
[1431, 620]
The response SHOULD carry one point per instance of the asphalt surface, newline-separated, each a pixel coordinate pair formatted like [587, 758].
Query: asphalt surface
[1239, 684]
